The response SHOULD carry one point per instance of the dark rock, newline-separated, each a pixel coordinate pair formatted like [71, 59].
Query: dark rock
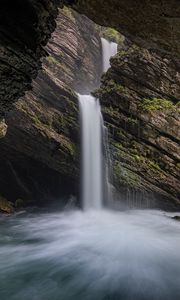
[6, 206]
[139, 97]
[40, 152]
[26, 26]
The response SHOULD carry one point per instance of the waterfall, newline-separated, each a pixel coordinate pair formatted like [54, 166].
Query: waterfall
[108, 49]
[94, 180]
[91, 122]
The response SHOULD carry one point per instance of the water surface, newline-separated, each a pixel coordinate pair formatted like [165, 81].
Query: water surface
[105, 255]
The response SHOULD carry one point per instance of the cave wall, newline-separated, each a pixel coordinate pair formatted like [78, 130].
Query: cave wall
[140, 101]
[40, 152]
[26, 26]
[152, 24]
[43, 125]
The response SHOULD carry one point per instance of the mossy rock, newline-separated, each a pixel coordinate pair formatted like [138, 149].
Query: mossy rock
[6, 206]
[158, 104]
[110, 34]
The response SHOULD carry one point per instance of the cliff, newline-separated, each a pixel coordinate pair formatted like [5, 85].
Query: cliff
[40, 152]
[140, 99]
[26, 26]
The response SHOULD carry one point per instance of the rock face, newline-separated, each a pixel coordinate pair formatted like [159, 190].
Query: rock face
[140, 95]
[151, 24]
[40, 152]
[26, 26]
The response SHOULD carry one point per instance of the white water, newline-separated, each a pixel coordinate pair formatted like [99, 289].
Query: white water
[94, 255]
[91, 127]
[109, 49]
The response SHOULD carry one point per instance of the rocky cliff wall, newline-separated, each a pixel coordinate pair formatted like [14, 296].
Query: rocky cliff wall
[140, 99]
[40, 152]
[26, 26]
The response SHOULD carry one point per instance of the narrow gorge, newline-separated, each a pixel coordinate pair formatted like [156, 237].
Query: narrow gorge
[89, 143]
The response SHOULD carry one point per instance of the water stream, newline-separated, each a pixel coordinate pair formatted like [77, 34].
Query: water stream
[91, 123]
[95, 175]
[95, 254]
[109, 49]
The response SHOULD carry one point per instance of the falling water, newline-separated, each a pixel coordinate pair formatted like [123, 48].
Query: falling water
[108, 49]
[91, 119]
[94, 183]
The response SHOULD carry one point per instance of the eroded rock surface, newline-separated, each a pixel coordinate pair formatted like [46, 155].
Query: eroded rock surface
[151, 24]
[26, 26]
[140, 99]
[40, 153]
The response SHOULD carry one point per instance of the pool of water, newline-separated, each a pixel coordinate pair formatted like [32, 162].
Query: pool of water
[103, 255]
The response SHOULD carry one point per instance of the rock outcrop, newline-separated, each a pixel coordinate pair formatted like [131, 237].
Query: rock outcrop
[151, 24]
[139, 96]
[26, 26]
[40, 152]
[140, 99]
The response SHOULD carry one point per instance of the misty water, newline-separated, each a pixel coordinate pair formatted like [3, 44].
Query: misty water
[95, 255]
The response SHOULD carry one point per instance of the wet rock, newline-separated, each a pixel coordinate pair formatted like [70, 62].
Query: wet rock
[3, 128]
[6, 206]
[141, 108]
[40, 152]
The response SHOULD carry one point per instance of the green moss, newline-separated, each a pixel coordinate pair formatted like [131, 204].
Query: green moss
[69, 13]
[3, 128]
[110, 34]
[157, 104]
[69, 147]
[6, 206]
[132, 121]
[178, 106]
[138, 158]
[112, 86]
[154, 165]
[126, 177]
[51, 59]
[59, 64]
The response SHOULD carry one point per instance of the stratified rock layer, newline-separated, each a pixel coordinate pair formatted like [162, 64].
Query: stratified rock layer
[140, 99]
[26, 26]
[151, 24]
[40, 152]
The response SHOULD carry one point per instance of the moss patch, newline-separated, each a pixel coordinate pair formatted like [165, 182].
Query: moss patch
[124, 176]
[6, 206]
[69, 13]
[110, 34]
[157, 104]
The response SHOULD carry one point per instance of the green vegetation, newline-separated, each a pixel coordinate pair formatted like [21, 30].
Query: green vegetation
[110, 34]
[126, 177]
[69, 13]
[111, 85]
[132, 121]
[69, 147]
[157, 104]
[51, 59]
[6, 206]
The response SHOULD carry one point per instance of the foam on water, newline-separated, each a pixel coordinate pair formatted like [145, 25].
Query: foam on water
[87, 256]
